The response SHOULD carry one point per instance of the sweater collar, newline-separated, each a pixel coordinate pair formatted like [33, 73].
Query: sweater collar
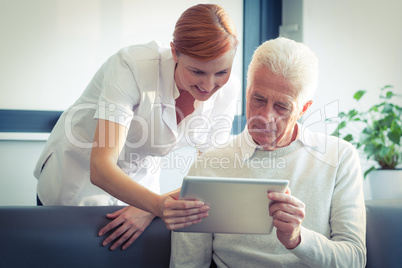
[304, 137]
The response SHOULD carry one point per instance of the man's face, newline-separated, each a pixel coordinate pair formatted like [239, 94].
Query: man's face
[272, 110]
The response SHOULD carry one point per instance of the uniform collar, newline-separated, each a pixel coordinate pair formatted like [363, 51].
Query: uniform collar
[166, 78]
[176, 92]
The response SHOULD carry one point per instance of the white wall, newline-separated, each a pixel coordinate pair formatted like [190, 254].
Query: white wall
[18, 160]
[17, 183]
[50, 49]
[358, 44]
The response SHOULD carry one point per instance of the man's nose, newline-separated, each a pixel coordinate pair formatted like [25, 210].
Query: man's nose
[268, 114]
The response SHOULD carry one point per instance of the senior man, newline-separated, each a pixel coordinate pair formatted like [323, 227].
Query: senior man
[321, 222]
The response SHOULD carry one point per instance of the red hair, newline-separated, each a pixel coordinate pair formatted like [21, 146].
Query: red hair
[204, 32]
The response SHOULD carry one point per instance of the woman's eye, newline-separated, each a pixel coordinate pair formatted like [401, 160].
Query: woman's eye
[198, 72]
[221, 73]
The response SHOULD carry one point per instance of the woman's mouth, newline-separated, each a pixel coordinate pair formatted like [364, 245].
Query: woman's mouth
[200, 90]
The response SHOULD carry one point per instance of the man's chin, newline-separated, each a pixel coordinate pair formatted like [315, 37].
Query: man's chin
[266, 144]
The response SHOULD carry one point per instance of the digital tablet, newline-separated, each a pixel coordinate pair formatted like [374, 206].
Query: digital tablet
[237, 205]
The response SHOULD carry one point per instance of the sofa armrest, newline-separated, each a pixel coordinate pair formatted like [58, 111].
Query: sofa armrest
[67, 237]
[384, 233]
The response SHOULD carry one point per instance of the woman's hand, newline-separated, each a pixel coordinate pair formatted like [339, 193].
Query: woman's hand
[182, 213]
[288, 213]
[132, 221]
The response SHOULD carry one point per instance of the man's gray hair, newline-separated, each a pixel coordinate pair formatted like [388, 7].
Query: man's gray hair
[293, 61]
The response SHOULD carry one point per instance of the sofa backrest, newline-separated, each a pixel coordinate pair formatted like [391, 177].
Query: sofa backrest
[67, 237]
[384, 233]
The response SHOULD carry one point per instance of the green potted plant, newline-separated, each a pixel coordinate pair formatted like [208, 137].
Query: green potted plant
[380, 132]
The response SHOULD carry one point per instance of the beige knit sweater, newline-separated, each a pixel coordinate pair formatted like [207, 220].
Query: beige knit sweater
[323, 172]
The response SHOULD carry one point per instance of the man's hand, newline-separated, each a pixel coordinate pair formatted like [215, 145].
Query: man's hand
[182, 213]
[131, 221]
[288, 213]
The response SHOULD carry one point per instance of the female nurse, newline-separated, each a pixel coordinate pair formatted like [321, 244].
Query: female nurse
[144, 102]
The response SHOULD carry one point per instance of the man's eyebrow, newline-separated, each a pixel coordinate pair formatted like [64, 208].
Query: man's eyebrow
[280, 101]
[287, 103]
[255, 94]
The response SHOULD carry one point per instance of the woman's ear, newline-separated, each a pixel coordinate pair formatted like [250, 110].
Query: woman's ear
[174, 54]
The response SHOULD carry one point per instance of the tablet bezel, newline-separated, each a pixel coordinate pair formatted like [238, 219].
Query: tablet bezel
[237, 205]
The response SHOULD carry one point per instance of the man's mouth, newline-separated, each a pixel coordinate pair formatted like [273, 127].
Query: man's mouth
[266, 128]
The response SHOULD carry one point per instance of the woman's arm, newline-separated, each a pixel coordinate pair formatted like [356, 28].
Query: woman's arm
[109, 139]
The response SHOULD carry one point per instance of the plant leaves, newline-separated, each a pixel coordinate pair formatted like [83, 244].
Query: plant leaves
[381, 125]
[367, 131]
[375, 107]
[389, 94]
[369, 170]
[387, 86]
[359, 94]
[386, 121]
[336, 133]
[384, 151]
[369, 149]
[348, 137]
[388, 108]
[396, 127]
[341, 114]
[352, 113]
[394, 136]
[341, 125]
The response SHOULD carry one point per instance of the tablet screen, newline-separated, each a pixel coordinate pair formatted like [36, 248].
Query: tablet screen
[237, 205]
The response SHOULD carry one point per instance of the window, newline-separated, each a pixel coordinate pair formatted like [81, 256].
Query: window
[262, 19]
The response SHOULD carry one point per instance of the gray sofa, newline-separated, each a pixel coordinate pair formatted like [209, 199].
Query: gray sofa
[67, 237]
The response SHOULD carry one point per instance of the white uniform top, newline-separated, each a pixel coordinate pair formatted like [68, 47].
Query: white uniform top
[134, 88]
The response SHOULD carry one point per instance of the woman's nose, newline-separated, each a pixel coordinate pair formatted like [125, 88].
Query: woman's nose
[209, 84]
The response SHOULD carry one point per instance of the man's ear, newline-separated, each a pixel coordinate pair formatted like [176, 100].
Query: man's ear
[174, 54]
[305, 108]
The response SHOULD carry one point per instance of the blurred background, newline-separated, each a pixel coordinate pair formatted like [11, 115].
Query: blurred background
[50, 49]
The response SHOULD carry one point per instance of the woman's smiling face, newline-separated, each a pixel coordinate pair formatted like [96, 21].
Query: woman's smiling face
[202, 79]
